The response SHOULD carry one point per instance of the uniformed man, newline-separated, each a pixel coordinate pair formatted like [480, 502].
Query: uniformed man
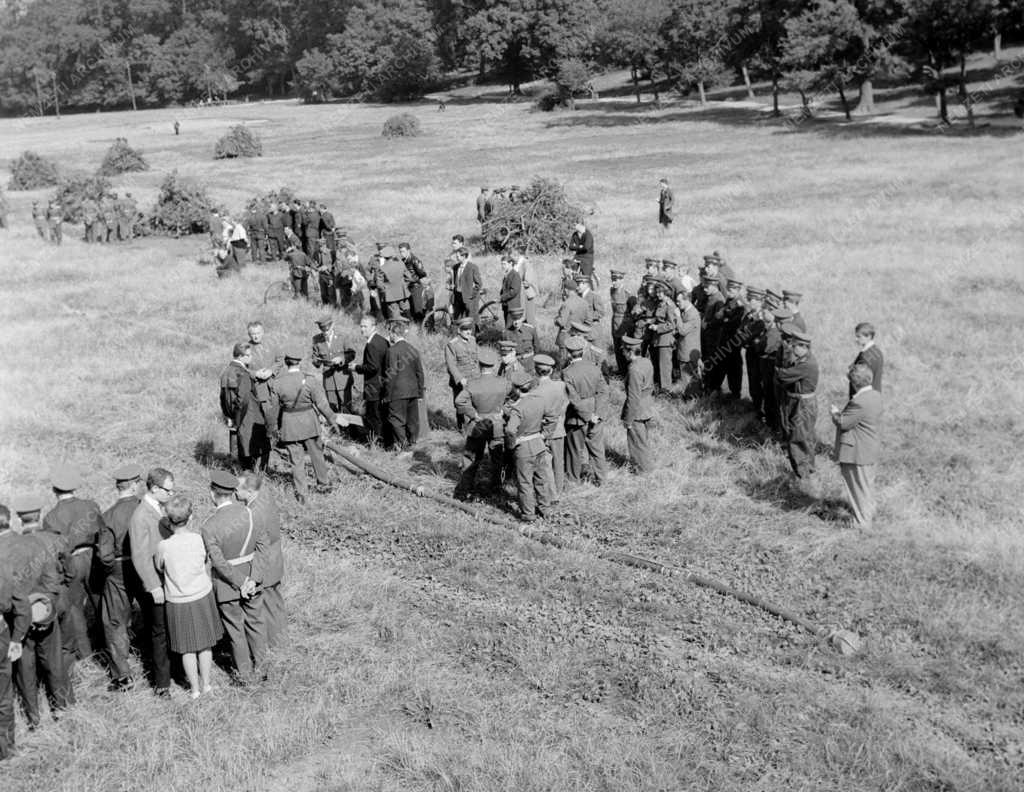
[556, 399]
[480, 404]
[573, 309]
[623, 302]
[79, 521]
[415, 280]
[332, 357]
[752, 331]
[527, 427]
[55, 221]
[328, 235]
[588, 399]
[711, 335]
[791, 302]
[233, 381]
[591, 353]
[666, 205]
[769, 355]
[799, 381]
[125, 217]
[644, 312]
[39, 218]
[687, 343]
[508, 360]
[15, 619]
[371, 369]
[46, 573]
[298, 270]
[236, 545]
[146, 529]
[731, 340]
[461, 359]
[524, 336]
[638, 408]
[309, 218]
[670, 275]
[257, 228]
[781, 356]
[663, 336]
[295, 401]
[275, 232]
[392, 280]
[120, 585]
[267, 520]
[450, 265]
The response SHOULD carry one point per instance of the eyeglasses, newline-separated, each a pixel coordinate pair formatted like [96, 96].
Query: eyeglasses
[168, 490]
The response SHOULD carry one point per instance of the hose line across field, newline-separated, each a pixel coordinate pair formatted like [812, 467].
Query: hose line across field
[846, 642]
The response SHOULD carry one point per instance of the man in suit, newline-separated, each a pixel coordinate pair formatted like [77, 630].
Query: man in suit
[295, 401]
[687, 352]
[403, 385]
[666, 205]
[267, 520]
[638, 408]
[17, 613]
[121, 585]
[798, 382]
[327, 226]
[468, 285]
[233, 380]
[857, 447]
[461, 360]
[79, 521]
[236, 545]
[582, 245]
[511, 295]
[145, 531]
[588, 399]
[332, 357]
[299, 268]
[480, 405]
[870, 355]
[372, 370]
[483, 208]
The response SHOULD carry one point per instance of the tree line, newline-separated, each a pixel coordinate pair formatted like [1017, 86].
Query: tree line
[108, 54]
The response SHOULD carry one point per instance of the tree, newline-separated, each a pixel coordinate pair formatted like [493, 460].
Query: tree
[694, 44]
[940, 34]
[628, 35]
[572, 77]
[316, 76]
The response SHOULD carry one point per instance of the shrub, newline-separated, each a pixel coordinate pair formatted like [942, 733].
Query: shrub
[401, 125]
[32, 172]
[77, 187]
[182, 207]
[538, 220]
[122, 158]
[547, 100]
[239, 141]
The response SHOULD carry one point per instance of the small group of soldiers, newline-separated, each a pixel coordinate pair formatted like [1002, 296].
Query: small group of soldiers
[110, 219]
[70, 575]
[49, 222]
[488, 199]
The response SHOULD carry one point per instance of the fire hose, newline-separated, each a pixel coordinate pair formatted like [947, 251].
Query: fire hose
[843, 640]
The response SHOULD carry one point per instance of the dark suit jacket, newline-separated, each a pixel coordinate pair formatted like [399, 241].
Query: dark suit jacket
[511, 291]
[583, 247]
[372, 367]
[403, 372]
[857, 429]
[872, 358]
[468, 282]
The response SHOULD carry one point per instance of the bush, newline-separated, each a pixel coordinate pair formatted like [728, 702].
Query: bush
[548, 100]
[122, 158]
[182, 207]
[32, 172]
[77, 187]
[538, 220]
[240, 141]
[401, 125]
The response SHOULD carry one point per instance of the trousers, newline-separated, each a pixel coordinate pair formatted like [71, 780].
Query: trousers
[274, 615]
[404, 417]
[639, 447]
[42, 663]
[116, 615]
[860, 486]
[246, 631]
[585, 445]
[297, 453]
[154, 618]
[533, 478]
[801, 441]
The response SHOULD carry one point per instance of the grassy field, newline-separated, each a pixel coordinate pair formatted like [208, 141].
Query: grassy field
[431, 651]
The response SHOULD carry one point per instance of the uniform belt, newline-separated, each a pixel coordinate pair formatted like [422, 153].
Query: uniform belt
[528, 438]
[296, 409]
[123, 558]
[81, 549]
[803, 395]
[241, 560]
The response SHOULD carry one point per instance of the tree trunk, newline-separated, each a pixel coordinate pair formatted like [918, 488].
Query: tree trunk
[131, 88]
[703, 94]
[635, 74]
[865, 98]
[775, 96]
[39, 93]
[940, 103]
[842, 98]
[997, 47]
[965, 98]
[746, 82]
[56, 100]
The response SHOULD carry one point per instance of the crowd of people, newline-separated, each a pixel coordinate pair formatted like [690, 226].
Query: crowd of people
[70, 573]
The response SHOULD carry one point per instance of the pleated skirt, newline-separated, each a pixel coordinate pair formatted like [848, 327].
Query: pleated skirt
[193, 626]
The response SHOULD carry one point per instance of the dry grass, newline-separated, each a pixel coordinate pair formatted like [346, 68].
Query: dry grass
[435, 653]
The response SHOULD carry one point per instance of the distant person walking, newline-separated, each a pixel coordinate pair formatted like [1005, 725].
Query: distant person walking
[177, 126]
[666, 205]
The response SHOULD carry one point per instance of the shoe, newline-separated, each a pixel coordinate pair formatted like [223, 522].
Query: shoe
[193, 695]
[162, 693]
[300, 499]
[123, 685]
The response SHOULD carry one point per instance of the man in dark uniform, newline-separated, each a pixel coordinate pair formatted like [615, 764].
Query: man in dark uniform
[41, 557]
[310, 228]
[780, 357]
[752, 331]
[79, 522]
[588, 399]
[480, 404]
[403, 384]
[295, 400]
[582, 245]
[711, 323]
[275, 231]
[267, 520]
[623, 301]
[256, 226]
[332, 357]
[769, 354]
[731, 345]
[121, 585]
[233, 380]
[555, 396]
[800, 381]
[298, 269]
[236, 545]
[371, 369]
[527, 429]
[663, 337]
[524, 336]
[391, 279]
[791, 302]
[460, 358]
[575, 308]
[638, 408]
[666, 205]
[15, 619]
[415, 280]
